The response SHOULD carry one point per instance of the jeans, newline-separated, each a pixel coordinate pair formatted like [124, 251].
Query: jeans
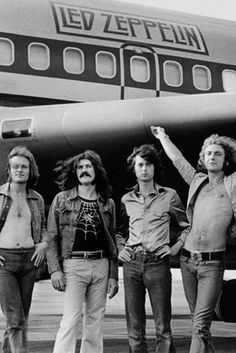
[202, 281]
[17, 278]
[147, 271]
[86, 281]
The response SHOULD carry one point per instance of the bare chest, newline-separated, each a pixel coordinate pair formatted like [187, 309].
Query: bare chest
[20, 210]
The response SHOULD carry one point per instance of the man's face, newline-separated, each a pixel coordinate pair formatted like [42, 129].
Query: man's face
[214, 157]
[144, 170]
[85, 172]
[19, 169]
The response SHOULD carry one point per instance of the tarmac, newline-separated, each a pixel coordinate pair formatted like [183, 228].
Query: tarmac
[46, 312]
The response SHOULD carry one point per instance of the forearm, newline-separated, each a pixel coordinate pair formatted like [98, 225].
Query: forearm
[52, 254]
[113, 269]
[122, 230]
[120, 242]
[170, 149]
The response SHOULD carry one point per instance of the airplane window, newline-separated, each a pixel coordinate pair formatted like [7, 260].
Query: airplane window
[105, 64]
[229, 80]
[73, 59]
[38, 56]
[173, 73]
[139, 69]
[6, 52]
[16, 128]
[201, 77]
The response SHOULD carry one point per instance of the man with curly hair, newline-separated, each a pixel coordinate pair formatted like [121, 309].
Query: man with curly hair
[143, 240]
[81, 225]
[211, 209]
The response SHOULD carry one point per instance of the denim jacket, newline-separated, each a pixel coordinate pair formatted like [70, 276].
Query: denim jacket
[195, 180]
[62, 222]
[37, 209]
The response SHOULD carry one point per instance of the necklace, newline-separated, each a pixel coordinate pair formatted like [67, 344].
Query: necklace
[209, 187]
[18, 209]
[19, 205]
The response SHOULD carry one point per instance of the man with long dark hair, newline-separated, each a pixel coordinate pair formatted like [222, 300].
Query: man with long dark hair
[23, 242]
[143, 238]
[81, 225]
[211, 208]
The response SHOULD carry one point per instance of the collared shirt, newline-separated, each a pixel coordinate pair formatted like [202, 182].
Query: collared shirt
[62, 224]
[146, 221]
[37, 209]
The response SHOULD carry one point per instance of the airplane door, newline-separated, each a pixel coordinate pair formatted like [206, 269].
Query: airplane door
[139, 71]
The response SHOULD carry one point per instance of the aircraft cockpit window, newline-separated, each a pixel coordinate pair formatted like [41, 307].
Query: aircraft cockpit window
[105, 64]
[202, 77]
[229, 80]
[38, 56]
[139, 69]
[16, 128]
[6, 52]
[73, 60]
[173, 73]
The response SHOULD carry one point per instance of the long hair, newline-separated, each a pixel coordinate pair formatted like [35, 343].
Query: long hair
[150, 154]
[229, 146]
[23, 151]
[67, 173]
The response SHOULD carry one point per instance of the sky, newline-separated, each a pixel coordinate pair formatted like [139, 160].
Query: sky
[214, 8]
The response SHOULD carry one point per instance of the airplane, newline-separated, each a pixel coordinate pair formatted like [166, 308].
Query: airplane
[96, 74]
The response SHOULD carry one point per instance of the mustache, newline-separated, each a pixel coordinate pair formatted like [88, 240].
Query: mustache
[84, 174]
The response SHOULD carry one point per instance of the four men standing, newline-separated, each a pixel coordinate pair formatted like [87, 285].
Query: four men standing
[81, 240]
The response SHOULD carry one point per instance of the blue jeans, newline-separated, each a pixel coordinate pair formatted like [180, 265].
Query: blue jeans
[202, 281]
[17, 278]
[147, 271]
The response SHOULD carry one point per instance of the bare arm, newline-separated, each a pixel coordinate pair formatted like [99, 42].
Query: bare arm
[170, 149]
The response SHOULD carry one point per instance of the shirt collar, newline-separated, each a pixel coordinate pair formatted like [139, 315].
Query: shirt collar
[73, 194]
[157, 189]
[5, 190]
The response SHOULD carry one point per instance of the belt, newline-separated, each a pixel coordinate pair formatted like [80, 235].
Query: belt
[88, 255]
[140, 249]
[203, 256]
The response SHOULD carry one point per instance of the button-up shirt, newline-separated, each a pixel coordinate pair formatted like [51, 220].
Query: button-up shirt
[146, 221]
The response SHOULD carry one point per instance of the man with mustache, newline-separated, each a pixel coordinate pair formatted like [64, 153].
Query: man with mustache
[81, 225]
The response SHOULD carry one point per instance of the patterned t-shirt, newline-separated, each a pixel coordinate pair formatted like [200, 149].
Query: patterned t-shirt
[90, 230]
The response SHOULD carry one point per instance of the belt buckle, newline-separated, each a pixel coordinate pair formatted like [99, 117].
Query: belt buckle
[196, 255]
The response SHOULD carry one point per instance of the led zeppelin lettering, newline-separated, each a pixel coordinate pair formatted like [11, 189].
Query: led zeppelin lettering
[74, 20]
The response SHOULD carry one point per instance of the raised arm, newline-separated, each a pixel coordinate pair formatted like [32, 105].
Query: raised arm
[170, 149]
[185, 169]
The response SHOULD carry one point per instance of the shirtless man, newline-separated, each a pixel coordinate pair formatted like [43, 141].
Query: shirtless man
[23, 242]
[211, 207]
